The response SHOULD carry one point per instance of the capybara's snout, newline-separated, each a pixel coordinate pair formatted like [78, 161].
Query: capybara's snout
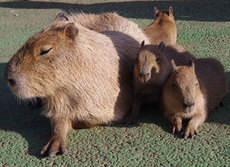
[145, 73]
[188, 102]
[9, 75]
[188, 105]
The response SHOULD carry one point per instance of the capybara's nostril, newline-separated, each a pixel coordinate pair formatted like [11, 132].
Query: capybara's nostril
[144, 74]
[11, 82]
[189, 104]
[184, 105]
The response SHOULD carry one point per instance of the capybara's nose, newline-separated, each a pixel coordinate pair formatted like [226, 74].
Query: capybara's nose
[12, 82]
[144, 73]
[188, 103]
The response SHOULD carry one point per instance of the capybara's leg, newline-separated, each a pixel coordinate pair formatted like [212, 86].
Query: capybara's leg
[196, 121]
[176, 124]
[132, 118]
[56, 144]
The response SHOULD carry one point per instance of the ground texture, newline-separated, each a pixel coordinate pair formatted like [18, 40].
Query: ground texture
[203, 29]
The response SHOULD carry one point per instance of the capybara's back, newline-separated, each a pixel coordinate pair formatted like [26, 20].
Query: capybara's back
[163, 28]
[105, 22]
[210, 73]
[98, 22]
[178, 54]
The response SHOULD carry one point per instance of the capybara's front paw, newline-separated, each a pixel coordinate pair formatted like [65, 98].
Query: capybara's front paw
[177, 129]
[190, 131]
[54, 146]
[177, 126]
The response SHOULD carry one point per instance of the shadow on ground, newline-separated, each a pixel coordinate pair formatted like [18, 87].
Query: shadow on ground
[194, 10]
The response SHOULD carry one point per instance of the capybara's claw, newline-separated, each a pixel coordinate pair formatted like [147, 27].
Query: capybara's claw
[189, 132]
[55, 146]
[176, 130]
[177, 127]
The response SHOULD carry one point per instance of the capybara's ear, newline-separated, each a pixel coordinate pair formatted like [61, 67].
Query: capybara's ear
[61, 17]
[173, 64]
[170, 11]
[156, 11]
[142, 44]
[162, 46]
[191, 63]
[71, 31]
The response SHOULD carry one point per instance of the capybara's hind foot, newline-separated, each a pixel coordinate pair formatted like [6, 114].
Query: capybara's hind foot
[130, 120]
[56, 145]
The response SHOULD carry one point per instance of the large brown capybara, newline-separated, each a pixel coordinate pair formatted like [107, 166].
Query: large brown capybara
[192, 91]
[163, 28]
[83, 77]
[151, 71]
[97, 22]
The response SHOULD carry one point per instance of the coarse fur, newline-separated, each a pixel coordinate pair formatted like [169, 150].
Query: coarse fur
[151, 71]
[192, 91]
[163, 28]
[83, 77]
[102, 23]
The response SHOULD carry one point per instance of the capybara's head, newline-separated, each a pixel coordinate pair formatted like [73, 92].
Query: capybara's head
[167, 14]
[185, 85]
[34, 70]
[151, 64]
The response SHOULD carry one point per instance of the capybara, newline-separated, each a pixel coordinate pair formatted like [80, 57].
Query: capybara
[96, 22]
[163, 28]
[151, 71]
[191, 91]
[83, 77]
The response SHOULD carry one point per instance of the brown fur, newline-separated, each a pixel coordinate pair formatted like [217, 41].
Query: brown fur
[189, 93]
[163, 28]
[102, 22]
[154, 60]
[83, 76]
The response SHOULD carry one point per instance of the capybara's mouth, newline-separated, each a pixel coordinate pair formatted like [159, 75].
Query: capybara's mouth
[19, 90]
[189, 109]
[145, 78]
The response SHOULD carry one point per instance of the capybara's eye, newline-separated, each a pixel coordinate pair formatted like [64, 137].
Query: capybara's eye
[157, 59]
[197, 83]
[175, 85]
[45, 50]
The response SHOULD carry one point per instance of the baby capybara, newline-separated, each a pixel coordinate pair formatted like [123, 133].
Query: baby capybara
[163, 28]
[151, 71]
[192, 91]
[83, 77]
